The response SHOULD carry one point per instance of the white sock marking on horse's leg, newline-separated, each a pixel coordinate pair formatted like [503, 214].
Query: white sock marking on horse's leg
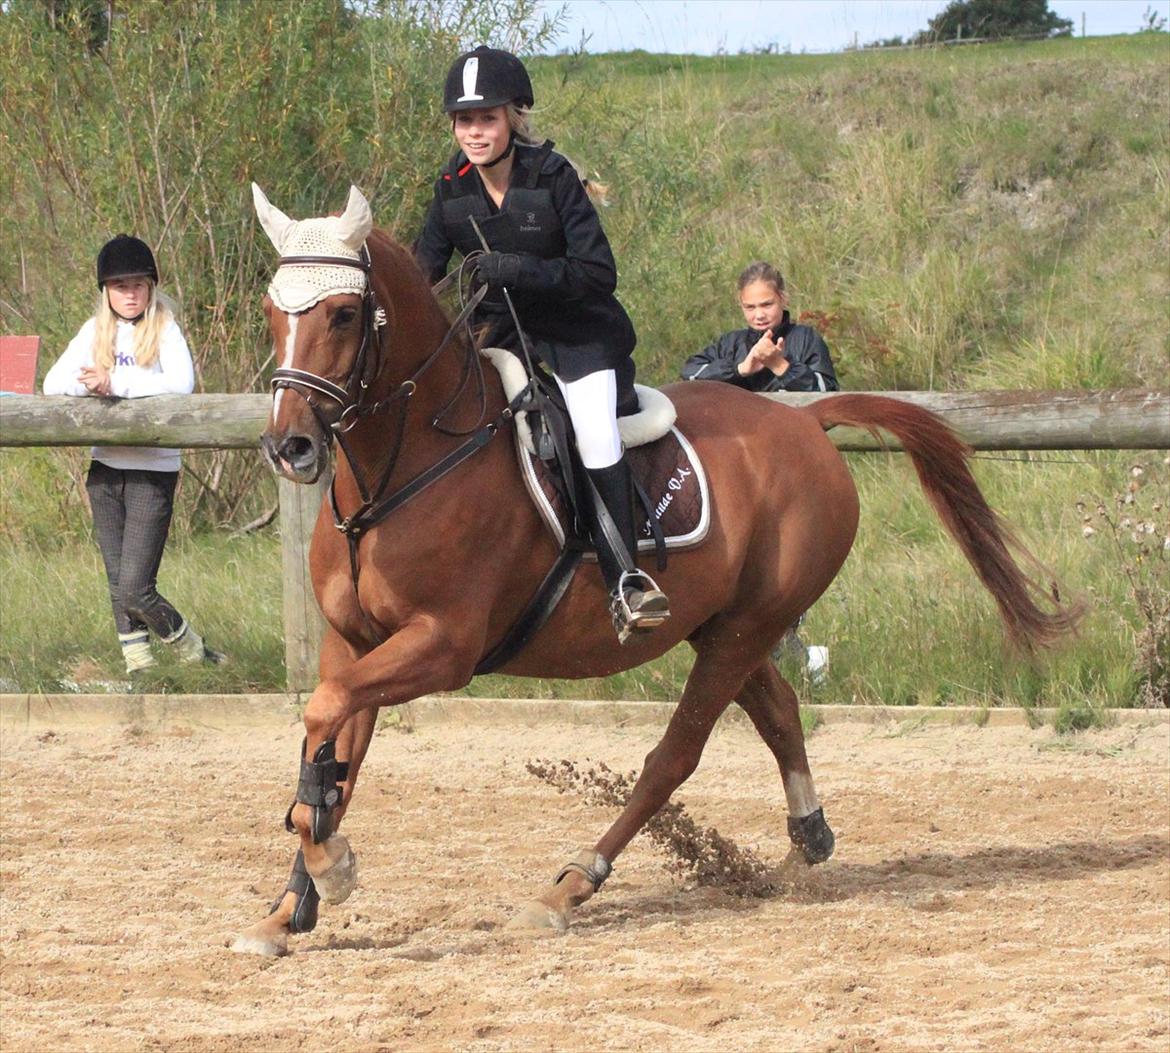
[801, 794]
[290, 343]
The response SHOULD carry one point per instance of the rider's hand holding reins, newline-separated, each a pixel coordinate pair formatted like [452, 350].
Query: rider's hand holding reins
[498, 270]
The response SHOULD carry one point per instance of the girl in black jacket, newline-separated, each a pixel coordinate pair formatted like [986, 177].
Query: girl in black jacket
[547, 249]
[772, 354]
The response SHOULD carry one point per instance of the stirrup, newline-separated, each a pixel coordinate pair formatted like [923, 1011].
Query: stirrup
[637, 607]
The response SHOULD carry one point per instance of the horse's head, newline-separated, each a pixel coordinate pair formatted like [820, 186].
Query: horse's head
[323, 318]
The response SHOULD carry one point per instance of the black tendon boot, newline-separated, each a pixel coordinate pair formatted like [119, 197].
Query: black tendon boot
[636, 602]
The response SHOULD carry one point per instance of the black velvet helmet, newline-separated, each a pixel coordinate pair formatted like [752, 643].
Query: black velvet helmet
[484, 78]
[125, 257]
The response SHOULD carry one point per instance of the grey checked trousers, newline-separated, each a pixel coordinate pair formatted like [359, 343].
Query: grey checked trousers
[132, 516]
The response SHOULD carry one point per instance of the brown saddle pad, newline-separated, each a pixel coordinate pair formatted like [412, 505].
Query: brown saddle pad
[668, 470]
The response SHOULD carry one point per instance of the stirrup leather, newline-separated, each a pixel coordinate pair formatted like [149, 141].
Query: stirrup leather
[651, 610]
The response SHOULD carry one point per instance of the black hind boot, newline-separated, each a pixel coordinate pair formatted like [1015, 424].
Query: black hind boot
[636, 602]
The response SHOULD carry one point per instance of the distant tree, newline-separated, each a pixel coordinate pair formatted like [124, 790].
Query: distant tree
[995, 19]
[1152, 22]
[888, 42]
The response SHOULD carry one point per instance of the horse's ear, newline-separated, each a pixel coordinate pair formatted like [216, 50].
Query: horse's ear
[275, 223]
[356, 222]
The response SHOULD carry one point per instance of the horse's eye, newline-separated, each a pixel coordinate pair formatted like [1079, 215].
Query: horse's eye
[343, 317]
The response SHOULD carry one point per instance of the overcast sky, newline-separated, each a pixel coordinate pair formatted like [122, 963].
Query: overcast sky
[703, 27]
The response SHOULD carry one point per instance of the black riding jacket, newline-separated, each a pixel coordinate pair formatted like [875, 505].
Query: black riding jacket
[564, 291]
[809, 365]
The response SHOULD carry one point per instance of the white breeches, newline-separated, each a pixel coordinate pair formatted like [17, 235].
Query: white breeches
[592, 404]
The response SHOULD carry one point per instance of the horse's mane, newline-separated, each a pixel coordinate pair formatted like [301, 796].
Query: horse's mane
[397, 271]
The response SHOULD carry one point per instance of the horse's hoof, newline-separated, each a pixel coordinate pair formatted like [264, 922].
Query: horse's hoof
[336, 883]
[811, 834]
[539, 917]
[258, 941]
[794, 867]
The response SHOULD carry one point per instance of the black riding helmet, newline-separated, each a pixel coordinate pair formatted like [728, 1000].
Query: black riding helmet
[484, 78]
[125, 257]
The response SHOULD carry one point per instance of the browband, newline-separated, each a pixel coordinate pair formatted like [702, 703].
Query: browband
[328, 261]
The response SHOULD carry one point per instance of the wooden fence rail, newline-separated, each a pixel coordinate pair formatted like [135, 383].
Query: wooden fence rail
[988, 420]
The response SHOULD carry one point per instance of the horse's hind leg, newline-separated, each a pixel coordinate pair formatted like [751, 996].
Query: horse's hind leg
[668, 765]
[771, 703]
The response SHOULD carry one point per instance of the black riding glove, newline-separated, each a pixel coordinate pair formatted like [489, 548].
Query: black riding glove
[498, 270]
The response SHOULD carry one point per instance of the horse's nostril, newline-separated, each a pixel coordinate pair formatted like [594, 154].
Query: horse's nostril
[296, 450]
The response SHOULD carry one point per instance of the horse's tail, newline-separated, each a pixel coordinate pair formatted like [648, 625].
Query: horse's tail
[940, 458]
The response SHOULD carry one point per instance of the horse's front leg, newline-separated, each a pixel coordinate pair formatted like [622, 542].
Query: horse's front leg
[418, 659]
[295, 909]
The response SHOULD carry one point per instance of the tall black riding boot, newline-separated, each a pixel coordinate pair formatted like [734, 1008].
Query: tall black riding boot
[636, 602]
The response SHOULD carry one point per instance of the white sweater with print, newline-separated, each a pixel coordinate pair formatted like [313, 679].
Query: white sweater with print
[171, 374]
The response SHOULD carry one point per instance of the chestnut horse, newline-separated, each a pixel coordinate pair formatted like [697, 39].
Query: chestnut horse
[435, 586]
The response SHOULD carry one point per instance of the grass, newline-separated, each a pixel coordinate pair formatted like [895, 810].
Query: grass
[906, 622]
[57, 632]
[950, 212]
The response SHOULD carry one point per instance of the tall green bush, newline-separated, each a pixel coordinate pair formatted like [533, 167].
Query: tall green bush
[159, 128]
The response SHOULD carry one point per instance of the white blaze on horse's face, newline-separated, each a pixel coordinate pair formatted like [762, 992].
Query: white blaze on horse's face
[314, 313]
[290, 347]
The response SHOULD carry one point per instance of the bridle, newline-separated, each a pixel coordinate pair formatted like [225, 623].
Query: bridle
[354, 402]
[350, 398]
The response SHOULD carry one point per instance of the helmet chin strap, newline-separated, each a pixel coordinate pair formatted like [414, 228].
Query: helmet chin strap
[507, 152]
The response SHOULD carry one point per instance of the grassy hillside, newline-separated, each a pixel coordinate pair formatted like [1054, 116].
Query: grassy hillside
[994, 216]
[982, 217]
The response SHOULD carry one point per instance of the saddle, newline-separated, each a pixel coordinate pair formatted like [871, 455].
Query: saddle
[667, 471]
[669, 477]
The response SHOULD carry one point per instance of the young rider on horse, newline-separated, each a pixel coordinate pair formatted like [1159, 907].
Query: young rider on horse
[546, 249]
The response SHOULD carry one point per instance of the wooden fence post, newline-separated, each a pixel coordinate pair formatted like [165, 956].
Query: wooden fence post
[303, 624]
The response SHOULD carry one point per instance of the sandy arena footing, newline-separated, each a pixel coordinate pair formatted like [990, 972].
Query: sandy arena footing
[996, 888]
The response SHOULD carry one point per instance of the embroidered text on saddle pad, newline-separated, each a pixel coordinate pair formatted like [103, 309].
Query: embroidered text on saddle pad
[670, 472]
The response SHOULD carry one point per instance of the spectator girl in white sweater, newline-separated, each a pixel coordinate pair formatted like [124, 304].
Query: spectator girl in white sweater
[132, 347]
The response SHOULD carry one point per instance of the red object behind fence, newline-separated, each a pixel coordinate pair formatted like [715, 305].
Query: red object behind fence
[18, 364]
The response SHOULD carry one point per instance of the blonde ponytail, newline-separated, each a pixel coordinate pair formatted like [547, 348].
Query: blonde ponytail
[520, 122]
